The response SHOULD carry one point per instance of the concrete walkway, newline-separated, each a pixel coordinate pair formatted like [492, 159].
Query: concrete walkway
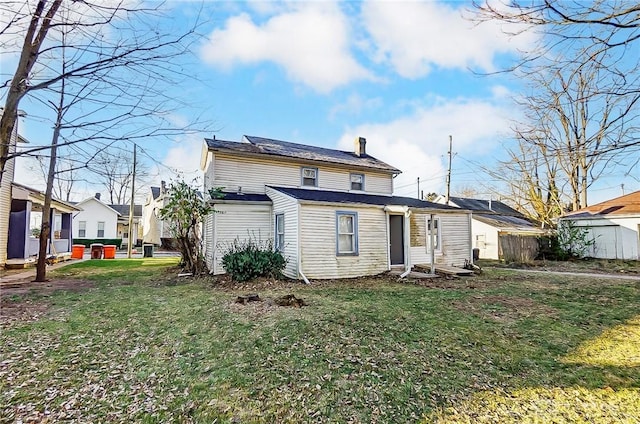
[28, 274]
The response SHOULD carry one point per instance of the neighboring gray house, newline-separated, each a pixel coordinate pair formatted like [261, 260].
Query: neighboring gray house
[492, 219]
[332, 213]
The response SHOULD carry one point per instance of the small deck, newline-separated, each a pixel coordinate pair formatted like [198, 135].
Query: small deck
[23, 263]
[445, 269]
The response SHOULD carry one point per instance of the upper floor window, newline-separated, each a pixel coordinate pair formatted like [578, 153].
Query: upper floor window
[279, 233]
[100, 229]
[82, 229]
[357, 181]
[347, 233]
[310, 177]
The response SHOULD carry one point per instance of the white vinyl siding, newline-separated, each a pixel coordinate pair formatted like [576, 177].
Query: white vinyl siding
[318, 239]
[241, 221]
[455, 239]
[5, 199]
[287, 206]
[208, 240]
[94, 211]
[616, 237]
[252, 174]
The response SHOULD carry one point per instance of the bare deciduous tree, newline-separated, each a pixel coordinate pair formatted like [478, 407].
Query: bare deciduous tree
[104, 71]
[113, 168]
[583, 83]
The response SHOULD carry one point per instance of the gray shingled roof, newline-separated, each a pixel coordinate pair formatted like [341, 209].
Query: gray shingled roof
[155, 192]
[367, 199]
[480, 205]
[124, 209]
[267, 146]
[505, 222]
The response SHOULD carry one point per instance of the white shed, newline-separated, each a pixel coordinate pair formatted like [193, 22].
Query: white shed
[613, 225]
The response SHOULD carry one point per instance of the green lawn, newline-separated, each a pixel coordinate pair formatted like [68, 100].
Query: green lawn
[141, 345]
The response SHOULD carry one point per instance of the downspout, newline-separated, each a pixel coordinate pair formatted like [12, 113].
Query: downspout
[470, 218]
[432, 243]
[300, 250]
[214, 245]
[388, 233]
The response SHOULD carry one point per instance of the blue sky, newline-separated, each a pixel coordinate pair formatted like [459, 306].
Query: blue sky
[323, 73]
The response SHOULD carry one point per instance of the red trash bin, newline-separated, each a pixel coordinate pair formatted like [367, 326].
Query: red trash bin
[77, 251]
[110, 251]
[96, 251]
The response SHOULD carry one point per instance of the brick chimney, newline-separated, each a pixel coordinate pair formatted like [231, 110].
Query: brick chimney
[360, 146]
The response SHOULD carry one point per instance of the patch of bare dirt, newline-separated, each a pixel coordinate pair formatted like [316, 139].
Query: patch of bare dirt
[502, 308]
[592, 266]
[25, 301]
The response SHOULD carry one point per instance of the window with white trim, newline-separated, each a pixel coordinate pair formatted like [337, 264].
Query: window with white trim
[436, 232]
[309, 177]
[357, 181]
[346, 233]
[100, 229]
[82, 229]
[279, 232]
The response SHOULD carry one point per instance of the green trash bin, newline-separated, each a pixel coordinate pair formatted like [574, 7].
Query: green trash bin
[147, 250]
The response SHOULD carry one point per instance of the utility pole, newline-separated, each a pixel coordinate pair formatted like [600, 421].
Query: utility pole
[449, 172]
[131, 206]
[418, 180]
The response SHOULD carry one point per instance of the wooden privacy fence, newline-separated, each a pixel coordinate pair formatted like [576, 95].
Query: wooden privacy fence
[517, 248]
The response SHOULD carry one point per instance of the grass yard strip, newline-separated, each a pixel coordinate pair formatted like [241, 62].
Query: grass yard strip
[143, 345]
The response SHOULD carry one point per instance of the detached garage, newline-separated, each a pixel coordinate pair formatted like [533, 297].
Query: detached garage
[614, 225]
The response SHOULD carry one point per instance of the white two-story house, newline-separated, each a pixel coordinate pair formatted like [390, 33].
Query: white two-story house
[332, 213]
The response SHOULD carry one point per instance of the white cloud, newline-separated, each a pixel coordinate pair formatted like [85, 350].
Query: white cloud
[310, 41]
[416, 36]
[417, 144]
[355, 105]
[182, 161]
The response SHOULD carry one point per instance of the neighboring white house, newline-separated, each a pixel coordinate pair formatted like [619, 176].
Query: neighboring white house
[123, 223]
[490, 220]
[613, 225]
[332, 213]
[97, 220]
[154, 228]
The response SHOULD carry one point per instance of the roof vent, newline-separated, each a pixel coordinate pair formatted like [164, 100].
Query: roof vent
[98, 196]
[361, 146]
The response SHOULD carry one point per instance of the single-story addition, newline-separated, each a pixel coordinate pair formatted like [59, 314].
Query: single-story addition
[613, 225]
[332, 234]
